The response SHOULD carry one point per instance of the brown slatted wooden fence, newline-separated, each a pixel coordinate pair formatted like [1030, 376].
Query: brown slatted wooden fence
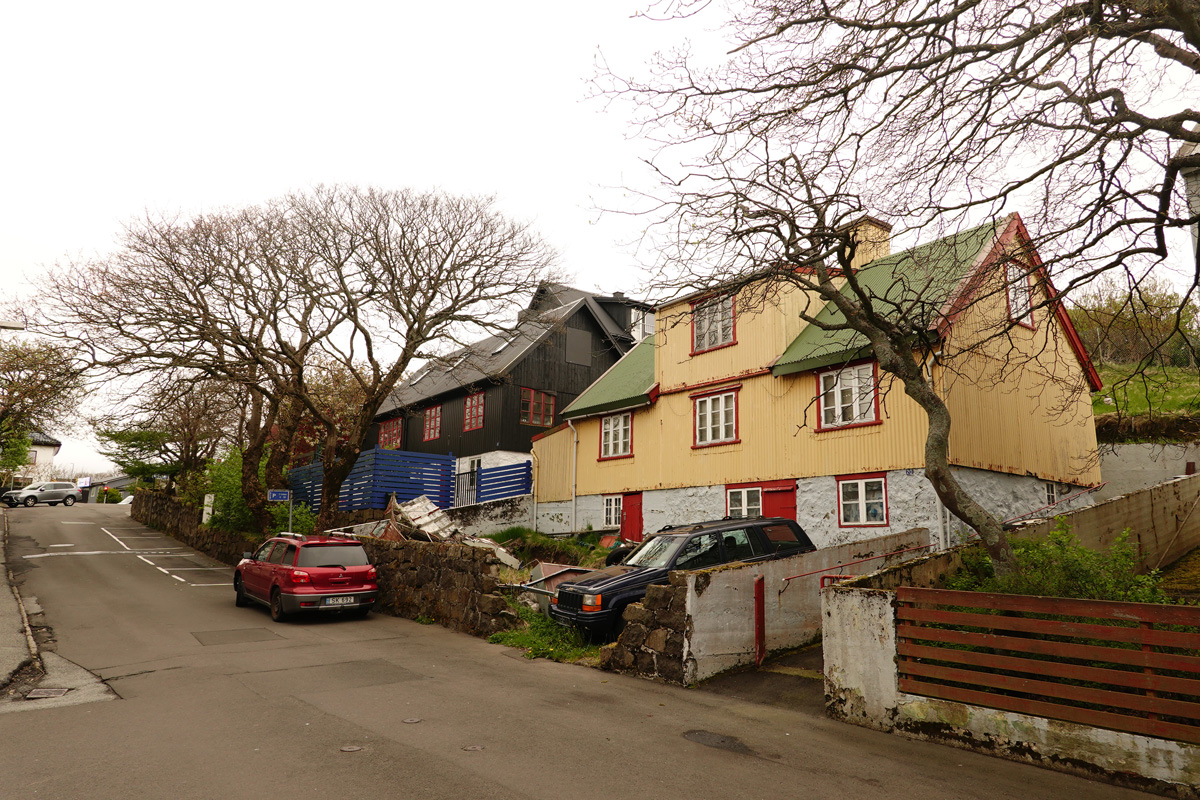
[1131, 667]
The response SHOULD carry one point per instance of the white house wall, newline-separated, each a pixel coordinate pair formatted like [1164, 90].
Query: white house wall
[911, 504]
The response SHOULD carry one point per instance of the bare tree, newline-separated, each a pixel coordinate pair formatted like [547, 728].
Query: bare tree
[41, 384]
[936, 116]
[264, 298]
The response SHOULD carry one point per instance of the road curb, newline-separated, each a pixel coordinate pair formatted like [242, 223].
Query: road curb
[15, 654]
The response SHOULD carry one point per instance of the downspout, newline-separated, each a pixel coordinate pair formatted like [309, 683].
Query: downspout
[574, 462]
[536, 466]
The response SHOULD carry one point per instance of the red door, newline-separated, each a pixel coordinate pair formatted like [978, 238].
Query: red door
[779, 499]
[631, 517]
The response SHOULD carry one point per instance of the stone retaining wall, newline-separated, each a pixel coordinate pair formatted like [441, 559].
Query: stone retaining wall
[651, 646]
[450, 584]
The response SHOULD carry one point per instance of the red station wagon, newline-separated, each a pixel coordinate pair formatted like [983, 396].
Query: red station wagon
[294, 574]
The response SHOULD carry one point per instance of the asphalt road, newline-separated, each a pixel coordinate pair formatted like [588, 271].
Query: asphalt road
[195, 698]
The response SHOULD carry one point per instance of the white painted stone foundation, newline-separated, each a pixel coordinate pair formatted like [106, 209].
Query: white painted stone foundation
[911, 504]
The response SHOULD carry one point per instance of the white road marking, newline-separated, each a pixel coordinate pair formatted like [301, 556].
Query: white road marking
[94, 553]
[114, 538]
[163, 571]
[176, 577]
[148, 561]
[64, 522]
[62, 545]
[192, 569]
[226, 584]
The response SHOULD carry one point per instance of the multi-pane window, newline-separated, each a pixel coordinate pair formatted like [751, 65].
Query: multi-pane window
[1020, 296]
[432, 428]
[716, 418]
[537, 408]
[473, 412]
[612, 511]
[712, 323]
[390, 433]
[642, 324]
[848, 396]
[744, 502]
[31, 457]
[862, 501]
[615, 435]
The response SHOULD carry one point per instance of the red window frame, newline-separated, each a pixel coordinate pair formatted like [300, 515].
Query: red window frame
[821, 426]
[473, 412]
[737, 411]
[600, 443]
[733, 322]
[391, 433]
[432, 427]
[537, 408]
[864, 476]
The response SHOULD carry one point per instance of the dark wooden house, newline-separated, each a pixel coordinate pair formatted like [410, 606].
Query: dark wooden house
[484, 403]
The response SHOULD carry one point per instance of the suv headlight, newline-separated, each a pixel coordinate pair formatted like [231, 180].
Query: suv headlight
[591, 602]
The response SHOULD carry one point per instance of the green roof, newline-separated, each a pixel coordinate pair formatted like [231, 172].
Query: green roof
[914, 284]
[626, 384]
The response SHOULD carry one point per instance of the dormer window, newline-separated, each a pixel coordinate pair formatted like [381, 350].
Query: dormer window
[712, 324]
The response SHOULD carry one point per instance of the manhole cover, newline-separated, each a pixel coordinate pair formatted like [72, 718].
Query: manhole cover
[473, 748]
[412, 720]
[351, 748]
[38, 694]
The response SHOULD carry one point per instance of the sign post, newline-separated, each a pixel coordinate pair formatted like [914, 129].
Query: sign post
[208, 508]
[282, 496]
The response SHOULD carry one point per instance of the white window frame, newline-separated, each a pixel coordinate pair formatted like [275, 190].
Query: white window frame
[1020, 293]
[849, 396]
[616, 435]
[719, 407]
[744, 503]
[860, 502]
[712, 324]
[612, 510]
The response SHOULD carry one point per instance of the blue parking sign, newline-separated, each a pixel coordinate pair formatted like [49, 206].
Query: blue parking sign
[278, 495]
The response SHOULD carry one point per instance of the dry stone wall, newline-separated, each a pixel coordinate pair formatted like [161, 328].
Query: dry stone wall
[453, 585]
[651, 645]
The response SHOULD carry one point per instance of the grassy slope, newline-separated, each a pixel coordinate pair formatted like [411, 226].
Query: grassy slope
[1166, 390]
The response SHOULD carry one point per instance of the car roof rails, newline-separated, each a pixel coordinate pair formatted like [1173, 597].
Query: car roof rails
[300, 537]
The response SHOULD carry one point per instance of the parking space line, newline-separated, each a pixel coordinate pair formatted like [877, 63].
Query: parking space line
[193, 569]
[176, 577]
[148, 561]
[163, 571]
[209, 584]
[115, 539]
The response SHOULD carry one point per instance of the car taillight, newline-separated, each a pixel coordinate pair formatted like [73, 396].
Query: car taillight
[300, 576]
[591, 602]
[372, 574]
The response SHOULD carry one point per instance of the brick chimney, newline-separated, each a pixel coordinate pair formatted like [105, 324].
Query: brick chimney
[873, 238]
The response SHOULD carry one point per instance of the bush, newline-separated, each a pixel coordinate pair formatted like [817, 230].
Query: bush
[304, 519]
[1059, 566]
[529, 545]
[230, 512]
[541, 637]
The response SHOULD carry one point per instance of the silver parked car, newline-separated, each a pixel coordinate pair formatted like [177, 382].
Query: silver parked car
[49, 492]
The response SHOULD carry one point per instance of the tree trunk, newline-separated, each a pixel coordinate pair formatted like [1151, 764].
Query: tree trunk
[256, 429]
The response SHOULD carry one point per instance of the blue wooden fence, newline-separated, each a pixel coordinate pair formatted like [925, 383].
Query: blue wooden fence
[497, 483]
[376, 474]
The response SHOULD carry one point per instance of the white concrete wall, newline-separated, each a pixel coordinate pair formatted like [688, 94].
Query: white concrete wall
[721, 601]
[1129, 468]
[495, 458]
[662, 507]
[482, 519]
[859, 640]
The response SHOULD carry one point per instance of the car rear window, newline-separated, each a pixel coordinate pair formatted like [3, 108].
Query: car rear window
[786, 538]
[332, 555]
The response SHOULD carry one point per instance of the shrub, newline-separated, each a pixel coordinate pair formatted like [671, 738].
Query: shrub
[541, 637]
[304, 519]
[1057, 565]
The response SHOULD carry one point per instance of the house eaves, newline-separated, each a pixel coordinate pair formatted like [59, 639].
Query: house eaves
[626, 385]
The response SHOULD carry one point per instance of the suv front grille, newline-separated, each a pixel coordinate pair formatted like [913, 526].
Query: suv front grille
[570, 601]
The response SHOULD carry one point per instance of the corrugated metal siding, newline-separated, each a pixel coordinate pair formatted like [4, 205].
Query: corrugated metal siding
[552, 466]
[765, 322]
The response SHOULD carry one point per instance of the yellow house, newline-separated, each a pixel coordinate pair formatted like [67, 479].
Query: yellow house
[738, 407]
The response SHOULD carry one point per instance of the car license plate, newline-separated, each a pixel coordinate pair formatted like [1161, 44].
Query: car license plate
[339, 601]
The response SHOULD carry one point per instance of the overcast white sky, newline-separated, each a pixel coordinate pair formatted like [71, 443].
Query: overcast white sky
[114, 108]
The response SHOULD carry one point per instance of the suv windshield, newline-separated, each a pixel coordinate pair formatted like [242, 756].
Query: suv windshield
[332, 555]
[657, 552]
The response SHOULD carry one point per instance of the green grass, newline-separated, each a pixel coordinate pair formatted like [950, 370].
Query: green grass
[1165, 390]
[529, 545]
[541, 637]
